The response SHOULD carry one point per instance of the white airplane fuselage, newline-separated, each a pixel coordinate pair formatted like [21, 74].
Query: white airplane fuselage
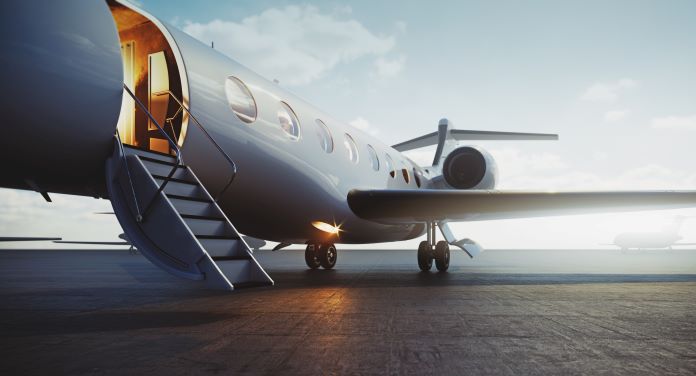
[65, 69]
[646, 240]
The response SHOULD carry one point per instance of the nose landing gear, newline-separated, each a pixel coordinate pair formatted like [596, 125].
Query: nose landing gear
[428, 251]
[324, 255]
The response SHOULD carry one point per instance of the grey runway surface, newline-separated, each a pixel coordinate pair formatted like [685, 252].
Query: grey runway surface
[505, 313]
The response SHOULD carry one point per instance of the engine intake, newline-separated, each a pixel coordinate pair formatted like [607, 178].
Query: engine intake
[469, 167]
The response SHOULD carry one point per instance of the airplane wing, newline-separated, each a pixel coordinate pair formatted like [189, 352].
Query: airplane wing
[413, 206]
[23, 239]
[85, 242]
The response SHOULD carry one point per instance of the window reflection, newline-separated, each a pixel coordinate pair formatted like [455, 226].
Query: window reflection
[374, 160]
[352, 148]
[389, 163]
[324, 136]
[240, 99]
[288, 121]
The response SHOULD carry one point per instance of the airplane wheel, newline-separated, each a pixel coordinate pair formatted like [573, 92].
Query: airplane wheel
[310, 256]
[442, 256]
[327, 255]
[425, 259]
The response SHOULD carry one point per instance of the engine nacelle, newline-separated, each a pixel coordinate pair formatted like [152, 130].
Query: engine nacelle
[469, 167]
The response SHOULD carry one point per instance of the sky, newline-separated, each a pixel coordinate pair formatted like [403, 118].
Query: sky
[615, 79]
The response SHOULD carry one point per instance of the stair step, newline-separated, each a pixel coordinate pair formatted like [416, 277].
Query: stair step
[162, 169]
[160, 161]
[215, 227]
[209, 217]
[223, 247]
[188, 207]
[231, 258]
[250, 284]
[189, 198]
[181, 189]
[218, 237]
[183, 181]
[130, 150]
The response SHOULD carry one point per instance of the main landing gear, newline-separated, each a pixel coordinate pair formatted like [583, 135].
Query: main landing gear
[428, 251]
[323, 255]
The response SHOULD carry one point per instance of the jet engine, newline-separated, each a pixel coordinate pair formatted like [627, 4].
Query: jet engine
[469, 167]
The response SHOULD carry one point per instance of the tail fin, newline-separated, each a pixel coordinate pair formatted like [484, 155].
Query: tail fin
[675, 226]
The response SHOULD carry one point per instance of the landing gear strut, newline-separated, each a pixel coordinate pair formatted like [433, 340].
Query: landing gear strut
[324, 255]
[429, 250]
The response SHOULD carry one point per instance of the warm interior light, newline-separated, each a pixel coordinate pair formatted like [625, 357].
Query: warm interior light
[323, 226]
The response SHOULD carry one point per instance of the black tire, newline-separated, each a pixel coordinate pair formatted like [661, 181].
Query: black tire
[310, 256]
[327, 255]
[425, 256]
[442, 256]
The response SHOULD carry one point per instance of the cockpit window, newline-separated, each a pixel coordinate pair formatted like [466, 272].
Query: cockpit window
[389, 163]
[240, 99]
[352, 148]
[374, 160]
[288, 121]
[324, 136]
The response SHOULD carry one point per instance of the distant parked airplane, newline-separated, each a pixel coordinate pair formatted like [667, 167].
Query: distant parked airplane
[666, 238]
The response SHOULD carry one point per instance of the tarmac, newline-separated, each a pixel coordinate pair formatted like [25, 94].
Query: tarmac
[509, 312]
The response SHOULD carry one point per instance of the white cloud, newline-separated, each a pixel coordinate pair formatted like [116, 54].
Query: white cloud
[296, 44]
[646, 177]
[615, 116]
[675, 122]
[526, 163]
[386, 68]
[608, 91]
[364, 125]
[549, 171]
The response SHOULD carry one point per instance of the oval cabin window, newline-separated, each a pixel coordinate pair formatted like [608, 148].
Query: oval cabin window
[374, 160]
[417, 177]
[240, 99]
[288, 121]
[407, 177]
[324, 136]
[389, 163]
[351, 147]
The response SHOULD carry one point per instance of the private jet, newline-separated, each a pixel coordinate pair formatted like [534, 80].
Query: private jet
[667, 238]
[103, 99]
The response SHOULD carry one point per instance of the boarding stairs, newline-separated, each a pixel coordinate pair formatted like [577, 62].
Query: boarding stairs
[174, 221]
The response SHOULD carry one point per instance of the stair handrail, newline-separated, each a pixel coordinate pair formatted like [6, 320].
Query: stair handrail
[210, 138]
[172, 144]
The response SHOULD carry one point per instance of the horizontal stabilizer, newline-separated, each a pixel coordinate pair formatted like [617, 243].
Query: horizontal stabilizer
[445, 132]
[414, 206]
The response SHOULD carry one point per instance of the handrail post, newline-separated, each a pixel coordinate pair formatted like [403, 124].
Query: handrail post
[139, 216]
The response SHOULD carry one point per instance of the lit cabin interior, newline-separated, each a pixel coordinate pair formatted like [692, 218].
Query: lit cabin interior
[150, 69]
